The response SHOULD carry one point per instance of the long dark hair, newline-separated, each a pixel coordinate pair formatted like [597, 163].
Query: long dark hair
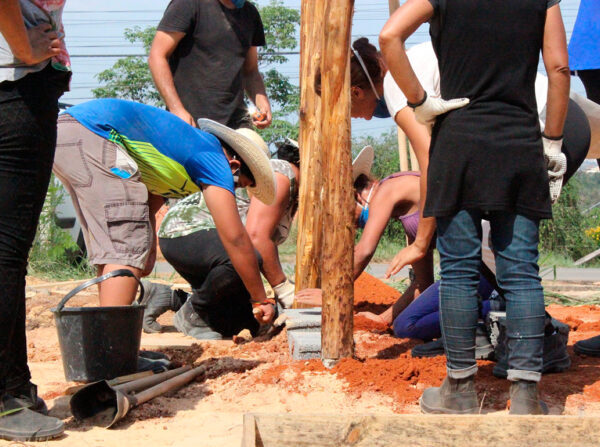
[358, 78]
[289, 151]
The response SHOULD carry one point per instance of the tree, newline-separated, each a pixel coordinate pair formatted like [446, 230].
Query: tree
[130, 77]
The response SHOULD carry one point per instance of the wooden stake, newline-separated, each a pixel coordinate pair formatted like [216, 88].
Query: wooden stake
[310, 219]
[393, 5]
[338, 241]
[402, 150]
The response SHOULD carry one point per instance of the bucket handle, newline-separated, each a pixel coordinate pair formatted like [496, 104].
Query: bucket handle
[99, 279]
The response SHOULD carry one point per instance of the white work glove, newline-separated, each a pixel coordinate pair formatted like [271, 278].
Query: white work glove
[284, 293]
[556, 163]
[427, 112]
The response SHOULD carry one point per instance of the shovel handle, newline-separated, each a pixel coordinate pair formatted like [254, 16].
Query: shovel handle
[145, 382]
[168, 385]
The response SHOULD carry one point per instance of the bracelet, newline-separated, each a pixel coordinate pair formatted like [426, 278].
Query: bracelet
[414, 105]
[270, 301]
[552, 138]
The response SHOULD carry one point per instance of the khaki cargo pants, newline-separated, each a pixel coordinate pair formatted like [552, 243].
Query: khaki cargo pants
[113, 211]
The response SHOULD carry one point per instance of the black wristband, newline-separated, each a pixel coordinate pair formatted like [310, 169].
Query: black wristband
[414, 105]
[552, 138]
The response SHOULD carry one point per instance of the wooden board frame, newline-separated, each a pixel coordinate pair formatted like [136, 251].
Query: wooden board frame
[367, 430]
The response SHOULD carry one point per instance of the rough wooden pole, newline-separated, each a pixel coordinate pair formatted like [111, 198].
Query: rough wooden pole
[338, 242]
[393, 5]
[402, 150]
[310, 219]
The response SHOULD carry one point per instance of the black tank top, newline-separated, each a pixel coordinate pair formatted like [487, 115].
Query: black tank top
[488, 155]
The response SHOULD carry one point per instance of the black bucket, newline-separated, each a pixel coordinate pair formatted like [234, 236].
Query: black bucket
[99, 343]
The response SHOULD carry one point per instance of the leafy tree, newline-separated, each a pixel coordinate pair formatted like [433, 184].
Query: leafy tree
[130, 77]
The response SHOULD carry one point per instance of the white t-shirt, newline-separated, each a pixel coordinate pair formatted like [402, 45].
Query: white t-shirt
[425, 65]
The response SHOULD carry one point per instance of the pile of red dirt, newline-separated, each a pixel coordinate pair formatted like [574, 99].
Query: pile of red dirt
[373, 295]
[383, 364]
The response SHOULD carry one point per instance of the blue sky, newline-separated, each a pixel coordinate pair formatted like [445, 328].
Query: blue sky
[94, 30]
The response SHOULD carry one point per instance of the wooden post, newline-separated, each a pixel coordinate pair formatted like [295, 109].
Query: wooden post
[393, 5]
[414, 162]
[310, 219]
[338, 243]
[402, 150]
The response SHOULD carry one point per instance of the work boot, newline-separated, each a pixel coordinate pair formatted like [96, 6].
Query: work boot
[483, 348]
[158, 299]
[26, 395]
[524, 398]
[555, 357]
[22, 424]
[188, 321]
[590, 346]
[156, 366]
[455, 396]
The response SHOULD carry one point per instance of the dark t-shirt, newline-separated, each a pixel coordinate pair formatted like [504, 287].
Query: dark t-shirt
[207, 64]
[488, 155]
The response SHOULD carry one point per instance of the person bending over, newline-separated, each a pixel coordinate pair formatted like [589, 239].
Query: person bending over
[218, 305]
[118, 160]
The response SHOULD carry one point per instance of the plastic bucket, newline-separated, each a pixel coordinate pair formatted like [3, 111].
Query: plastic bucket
[98, 343]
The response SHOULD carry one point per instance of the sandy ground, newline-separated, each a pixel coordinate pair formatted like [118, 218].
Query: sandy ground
[260, 377]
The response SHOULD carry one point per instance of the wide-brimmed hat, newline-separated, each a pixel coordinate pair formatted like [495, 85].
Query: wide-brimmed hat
[363, 162]
[253, 151]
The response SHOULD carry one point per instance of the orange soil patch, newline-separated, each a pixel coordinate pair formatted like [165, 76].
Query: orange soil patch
[383, 364]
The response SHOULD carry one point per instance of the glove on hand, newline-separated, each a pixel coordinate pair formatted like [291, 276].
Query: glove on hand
[427, 112]
[284, 293]
[556, 163]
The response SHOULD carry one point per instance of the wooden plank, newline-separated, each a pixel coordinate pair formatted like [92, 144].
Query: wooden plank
[402, 150]
[338, 210]
[493, 430]
[310, 219]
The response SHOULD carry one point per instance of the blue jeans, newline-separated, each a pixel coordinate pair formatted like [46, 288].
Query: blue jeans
[421, 318]
[515, 240]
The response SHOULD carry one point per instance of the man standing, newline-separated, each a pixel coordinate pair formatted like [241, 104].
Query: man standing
[204, 56]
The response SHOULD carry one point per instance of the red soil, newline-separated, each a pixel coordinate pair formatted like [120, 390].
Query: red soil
[383, 364]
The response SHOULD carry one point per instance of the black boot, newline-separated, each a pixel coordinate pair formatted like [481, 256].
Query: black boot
[590, 346]
[455, 396]
[524, 398]
[431, 349]
[158, 299]
[22, 424]
[27, 396]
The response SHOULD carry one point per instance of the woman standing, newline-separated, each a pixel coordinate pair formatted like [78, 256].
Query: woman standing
[487, 161]
[34, 73]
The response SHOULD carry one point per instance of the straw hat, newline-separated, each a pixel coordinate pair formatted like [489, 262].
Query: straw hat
[363, 162]
[253, 150]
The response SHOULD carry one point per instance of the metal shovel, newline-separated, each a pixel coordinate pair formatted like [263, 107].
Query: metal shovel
[101, 400]
[111, 404]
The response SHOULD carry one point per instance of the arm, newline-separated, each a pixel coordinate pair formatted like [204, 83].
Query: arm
[255, 87]
[223, 208]
[261, 223]
[30, 46]
[163, 45]
[420, 140]
[398, 28]
[380, 212]
[556, 61]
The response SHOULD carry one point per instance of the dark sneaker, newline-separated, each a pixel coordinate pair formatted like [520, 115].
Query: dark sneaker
[26, 425]
[590, 346]
[188, 321]
[524, 398]
[158, 298]
[455, 396]
[431, 349]
[156, 366]
[555, 357]
[26, 396]
[483, 348]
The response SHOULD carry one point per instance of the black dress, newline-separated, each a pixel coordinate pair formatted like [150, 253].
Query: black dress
[488, 155]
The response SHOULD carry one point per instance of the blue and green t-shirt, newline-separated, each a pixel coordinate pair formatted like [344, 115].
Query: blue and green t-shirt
[174, 158]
